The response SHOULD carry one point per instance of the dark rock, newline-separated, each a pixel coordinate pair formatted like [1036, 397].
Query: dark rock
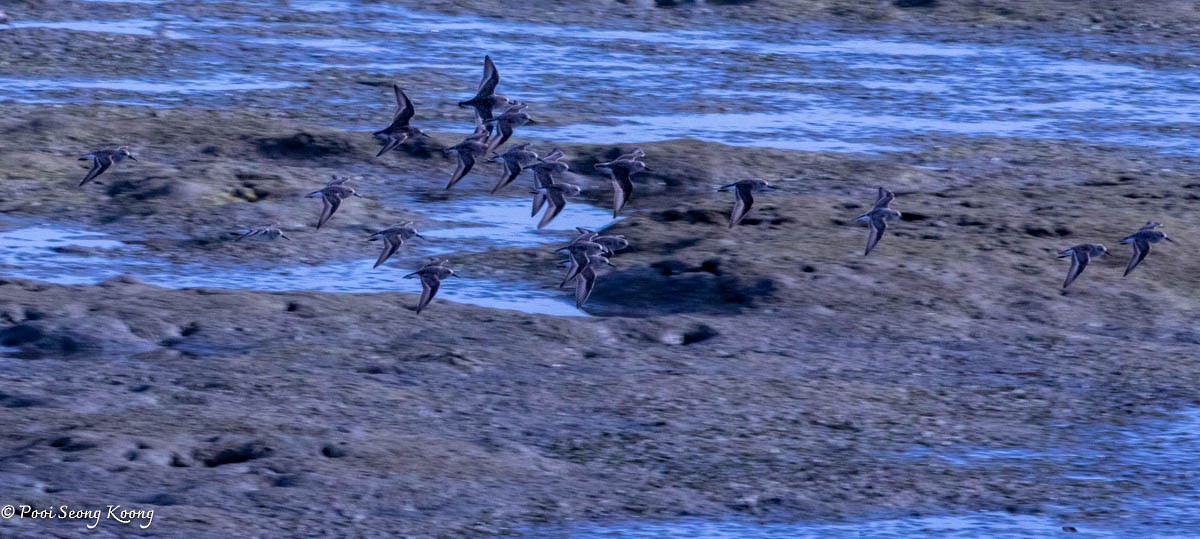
[71, 445]
[20, 335]
[303, 146]
[233, 453]
[333, 451]
[302, 310]
[666, 267]
[163, 499]
[1037, 231]
[20, 402]
[74, 335]
[698, 334]
[691, 216]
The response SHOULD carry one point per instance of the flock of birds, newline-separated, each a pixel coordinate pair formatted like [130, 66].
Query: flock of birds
[496, 119]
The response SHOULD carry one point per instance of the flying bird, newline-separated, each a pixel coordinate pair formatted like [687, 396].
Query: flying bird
[622, 169]
[579, 255]
[513, 117]
[467, 151]
[1141, 241]
[393, 238]
[102, 159]
[270, 231]
[1080, 256]
[612, 243]
[878, 217]
[516, 159]
[431, 275]
[556, 195]
[486, 99]
[743, 191]
[331, 197]
[581, 235]
[543, 174]
[399, 130]
[586, 281]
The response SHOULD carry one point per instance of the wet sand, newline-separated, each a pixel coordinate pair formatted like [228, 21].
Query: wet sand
[770, 371]
[450, 424]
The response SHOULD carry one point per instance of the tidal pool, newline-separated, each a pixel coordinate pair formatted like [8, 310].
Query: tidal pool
[67, 255]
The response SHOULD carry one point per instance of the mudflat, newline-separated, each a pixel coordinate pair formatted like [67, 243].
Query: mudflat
[769, 371]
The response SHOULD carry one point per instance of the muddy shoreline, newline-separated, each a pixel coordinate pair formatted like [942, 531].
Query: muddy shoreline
[1162, 34]
[478, 437]
[766, 372]
[485, 438]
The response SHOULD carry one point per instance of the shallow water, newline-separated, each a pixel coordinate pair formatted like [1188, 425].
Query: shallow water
[973, 526]
[65, 255]
[813, 89]
[220, 83]
[1164, 454]
[52, 258]
[479, 224]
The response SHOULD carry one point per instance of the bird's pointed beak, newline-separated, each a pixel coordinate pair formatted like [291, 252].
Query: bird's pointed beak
[422, 237]
[132, 157]
[531, 122]
[1168, 239]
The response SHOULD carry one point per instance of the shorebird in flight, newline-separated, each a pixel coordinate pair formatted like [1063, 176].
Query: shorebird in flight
[468, 151]
[1141, 240]
[486, 99]
[399, 131]
[271, 231]
[393, 238]
[622, 169]
[1080, 256]
[743, 191]
[508, 121]
[332, 195]
[516, 159]
[556, 195]
[102, 159]
[878, 217]
[431, 275]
